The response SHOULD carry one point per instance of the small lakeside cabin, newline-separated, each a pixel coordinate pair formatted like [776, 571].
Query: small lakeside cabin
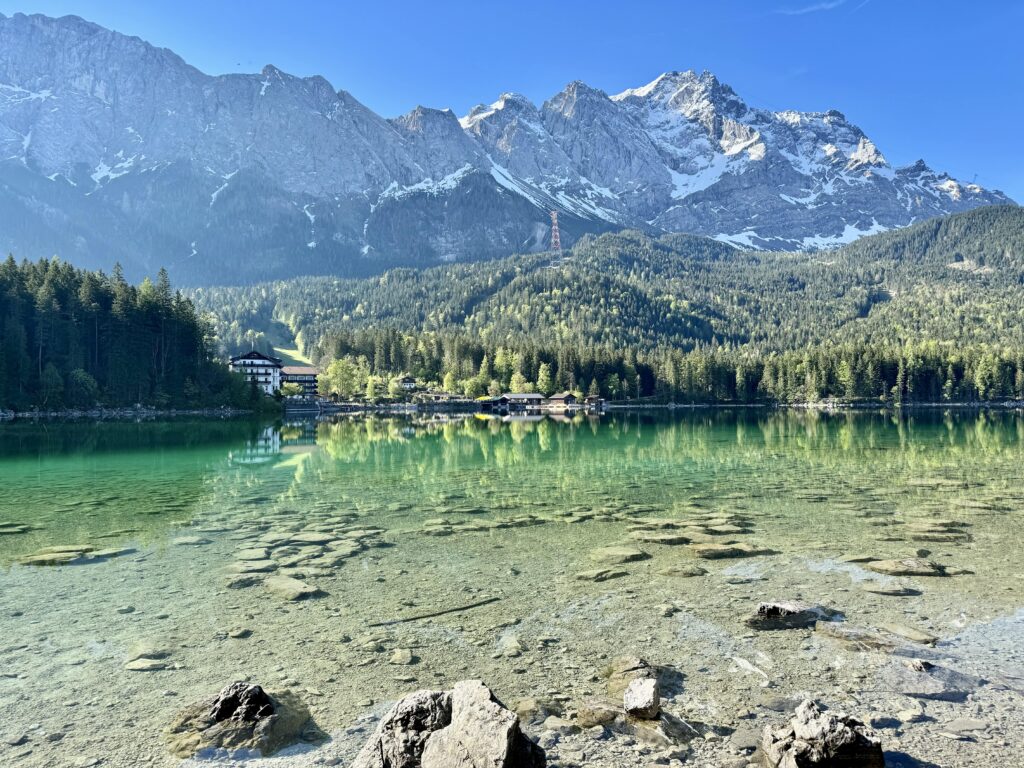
[408, 383]
[262, 369]
[562, 402]
[303, 375]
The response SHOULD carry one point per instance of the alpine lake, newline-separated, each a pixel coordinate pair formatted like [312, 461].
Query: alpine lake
[144, 566]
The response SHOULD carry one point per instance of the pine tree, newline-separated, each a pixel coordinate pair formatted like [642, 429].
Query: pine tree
[545, 385]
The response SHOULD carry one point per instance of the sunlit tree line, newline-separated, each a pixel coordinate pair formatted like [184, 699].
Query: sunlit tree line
[371, 360]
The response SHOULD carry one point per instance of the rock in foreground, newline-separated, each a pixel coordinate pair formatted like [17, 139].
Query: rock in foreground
[817, 738]
[642, 698]
[402, 733]
[241, 717]
[465, 728]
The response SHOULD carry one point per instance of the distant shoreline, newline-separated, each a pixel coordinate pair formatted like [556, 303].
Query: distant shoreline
[158, 414]
[832, 407]
[122, 414]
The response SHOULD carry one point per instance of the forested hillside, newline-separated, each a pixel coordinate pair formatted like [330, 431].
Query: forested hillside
[957, 279]
[933, 313]
[74, 338]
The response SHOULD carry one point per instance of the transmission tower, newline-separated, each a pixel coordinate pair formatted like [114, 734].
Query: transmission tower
[556, 240]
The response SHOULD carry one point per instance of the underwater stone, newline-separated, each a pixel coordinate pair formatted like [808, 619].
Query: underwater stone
[908, 566]
[721, 551]
[617, 555]
[788, 614]
[600, 574]
[290, 588]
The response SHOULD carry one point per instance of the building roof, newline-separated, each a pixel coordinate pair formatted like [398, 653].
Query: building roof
[254, 355]
[299, 370]
[522, 396]
[563, 396]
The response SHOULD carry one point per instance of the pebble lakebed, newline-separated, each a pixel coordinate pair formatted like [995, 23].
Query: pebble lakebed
[575, 543]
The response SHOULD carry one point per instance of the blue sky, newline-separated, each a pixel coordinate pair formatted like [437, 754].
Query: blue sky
[938, 79]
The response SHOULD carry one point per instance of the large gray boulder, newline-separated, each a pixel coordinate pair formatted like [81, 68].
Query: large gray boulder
[482, 734]
[401, 734]
[464, 728]
[818, 739]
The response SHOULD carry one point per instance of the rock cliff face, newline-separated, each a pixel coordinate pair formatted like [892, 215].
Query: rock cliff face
[112, 149]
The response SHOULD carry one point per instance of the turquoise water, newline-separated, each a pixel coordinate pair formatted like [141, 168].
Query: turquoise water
[389, 519]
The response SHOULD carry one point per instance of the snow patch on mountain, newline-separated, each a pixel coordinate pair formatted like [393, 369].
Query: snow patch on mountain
[848, 235]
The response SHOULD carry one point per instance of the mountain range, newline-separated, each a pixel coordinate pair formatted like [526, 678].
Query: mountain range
[112, 149]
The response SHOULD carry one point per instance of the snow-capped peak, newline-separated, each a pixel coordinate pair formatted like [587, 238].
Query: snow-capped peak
[682, 153]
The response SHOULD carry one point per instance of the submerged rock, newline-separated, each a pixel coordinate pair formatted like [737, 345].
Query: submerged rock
[923, 680]
[510, 646]
[789, 614]
[313, 537]
[889, 590]
[402, 656]
[190, 541]
[252, 554]
[465, 728]
[52, 558]
[817, 738]
[243, 567]
[661, 537]
[107, 554]
[912, 634]
[289, 588]
[147, 665]
[712, 551]
[617, 555]
[59, 555]
[600, 574]
[146, 656]
[241, 717]
[857, 638]
[908, 566]
[683, 571]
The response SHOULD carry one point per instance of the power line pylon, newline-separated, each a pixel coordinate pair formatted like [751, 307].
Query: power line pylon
[556, 240]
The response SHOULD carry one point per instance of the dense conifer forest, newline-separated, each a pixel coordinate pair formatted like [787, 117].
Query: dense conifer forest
[932, 313]
[73, 338]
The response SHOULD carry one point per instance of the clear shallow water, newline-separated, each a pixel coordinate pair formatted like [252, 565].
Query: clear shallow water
[392, 519]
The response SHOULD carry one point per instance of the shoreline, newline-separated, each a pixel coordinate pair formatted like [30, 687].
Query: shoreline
[830, 406]
[156, 414]
[123, 414]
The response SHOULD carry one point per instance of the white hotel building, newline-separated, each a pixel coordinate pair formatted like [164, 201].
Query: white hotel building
[263, 369]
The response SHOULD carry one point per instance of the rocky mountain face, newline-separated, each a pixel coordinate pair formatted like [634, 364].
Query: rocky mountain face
[112, 149]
